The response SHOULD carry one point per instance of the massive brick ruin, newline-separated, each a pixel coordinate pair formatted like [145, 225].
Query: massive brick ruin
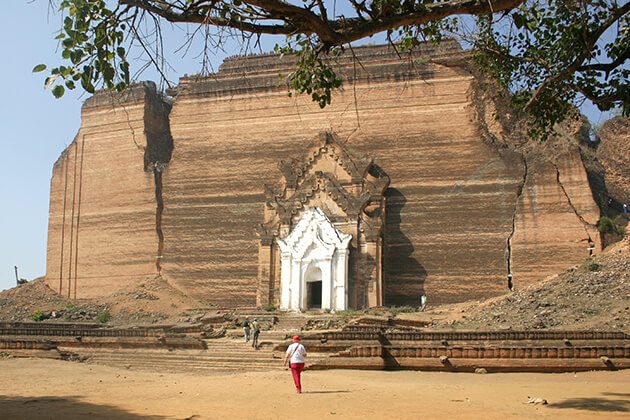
[614, 154]
[183, 189]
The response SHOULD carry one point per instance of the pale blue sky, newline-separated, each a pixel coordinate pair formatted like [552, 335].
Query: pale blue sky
[35, 128]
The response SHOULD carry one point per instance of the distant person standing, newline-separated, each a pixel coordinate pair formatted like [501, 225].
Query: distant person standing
[295, 356]
[255, 333]
[246, 326]
[625, 209]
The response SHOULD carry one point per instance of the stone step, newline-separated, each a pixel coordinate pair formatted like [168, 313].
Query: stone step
[183, 364]
[289, 330]
[237, 346]
[170, 356]
[210, 344]
[182, 359]
[291, 322]
[240, 350]
[187, 368]
[185, 361]
[271, 334]
[237, 335]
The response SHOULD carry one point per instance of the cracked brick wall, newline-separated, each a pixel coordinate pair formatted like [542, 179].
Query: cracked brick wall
[450, 201]
[554, 214]
[614, 154]
[556, 217]
[467, 204]
[102, 217]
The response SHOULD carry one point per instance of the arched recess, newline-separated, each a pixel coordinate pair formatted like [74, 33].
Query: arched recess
[313, 280]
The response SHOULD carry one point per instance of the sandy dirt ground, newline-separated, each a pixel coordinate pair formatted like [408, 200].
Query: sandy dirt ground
[52, 389]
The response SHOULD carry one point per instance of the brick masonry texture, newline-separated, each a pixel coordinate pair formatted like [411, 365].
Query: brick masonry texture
[102, 231]
[614, 153]
[453, 204]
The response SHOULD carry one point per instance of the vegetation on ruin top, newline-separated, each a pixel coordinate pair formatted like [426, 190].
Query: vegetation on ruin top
[550, 55]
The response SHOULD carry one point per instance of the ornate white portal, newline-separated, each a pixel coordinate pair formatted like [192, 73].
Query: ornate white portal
[314, 265]
[321, 236]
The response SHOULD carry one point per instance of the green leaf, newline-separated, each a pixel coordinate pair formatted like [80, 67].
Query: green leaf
[519, 20]
[58, 91]
[39, 67]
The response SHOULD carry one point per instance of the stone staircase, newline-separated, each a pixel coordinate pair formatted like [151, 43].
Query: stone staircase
[290, 323]
[222, 355]
[228, 354]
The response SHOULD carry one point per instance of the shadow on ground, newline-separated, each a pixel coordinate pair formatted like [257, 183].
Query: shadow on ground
[597, 404]
[68, 407]
[325, 392]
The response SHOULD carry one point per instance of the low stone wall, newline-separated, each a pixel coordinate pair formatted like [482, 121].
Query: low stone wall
[370, 347]
[91, 330]
[374, 333]
[35, 339]
[485, 352]
[473, 365]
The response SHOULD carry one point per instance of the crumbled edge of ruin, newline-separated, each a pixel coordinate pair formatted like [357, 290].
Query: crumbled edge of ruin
[267, 72]
[504, 129]
[613, 154]
[588, 296]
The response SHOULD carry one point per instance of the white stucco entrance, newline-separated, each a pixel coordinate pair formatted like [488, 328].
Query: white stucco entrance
[314, 265]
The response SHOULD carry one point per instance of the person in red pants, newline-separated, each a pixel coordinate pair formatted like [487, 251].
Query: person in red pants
[295, 356]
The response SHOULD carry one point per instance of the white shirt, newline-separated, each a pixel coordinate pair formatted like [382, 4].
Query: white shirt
[298, 353]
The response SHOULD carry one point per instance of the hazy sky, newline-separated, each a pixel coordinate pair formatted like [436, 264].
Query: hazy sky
[35, 128]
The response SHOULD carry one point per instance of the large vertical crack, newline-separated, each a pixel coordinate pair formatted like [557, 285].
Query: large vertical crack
[157, 155]
[585, 224]
[508, 256]
[159, 208]
[503, 146]
[63, 218]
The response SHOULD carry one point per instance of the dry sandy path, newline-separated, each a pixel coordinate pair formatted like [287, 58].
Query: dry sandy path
[51, 389]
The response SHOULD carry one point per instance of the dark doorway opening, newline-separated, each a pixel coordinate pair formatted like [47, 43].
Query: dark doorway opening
[314, 294]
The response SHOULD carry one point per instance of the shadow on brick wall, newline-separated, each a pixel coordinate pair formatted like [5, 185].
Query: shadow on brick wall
[403, 275]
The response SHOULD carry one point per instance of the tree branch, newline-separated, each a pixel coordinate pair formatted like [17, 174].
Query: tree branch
[302, 19]
[331, 33]
[354, 29]
[607, 67]
[602, 100]
[589, 41]
[193, 16]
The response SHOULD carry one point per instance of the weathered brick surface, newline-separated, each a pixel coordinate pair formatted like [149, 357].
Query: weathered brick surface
[556, 218]
[449, 206]
[555, 213]
[614, 153]
[102, 232]
[451, 201]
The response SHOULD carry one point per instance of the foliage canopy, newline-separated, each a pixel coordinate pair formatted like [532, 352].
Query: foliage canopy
[549, 54]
